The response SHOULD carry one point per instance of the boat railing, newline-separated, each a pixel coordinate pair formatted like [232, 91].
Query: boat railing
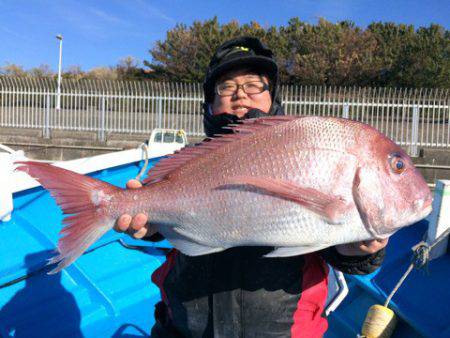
[6, 149]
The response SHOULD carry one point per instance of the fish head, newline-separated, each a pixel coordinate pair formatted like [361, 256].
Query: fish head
[388, 190]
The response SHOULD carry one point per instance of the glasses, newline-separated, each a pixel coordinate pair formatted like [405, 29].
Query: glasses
[229, 88]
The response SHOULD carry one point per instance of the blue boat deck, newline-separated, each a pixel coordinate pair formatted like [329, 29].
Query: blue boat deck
[108, 292]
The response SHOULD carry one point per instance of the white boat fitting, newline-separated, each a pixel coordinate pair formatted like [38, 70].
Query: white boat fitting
[7, 157]
[439, 219]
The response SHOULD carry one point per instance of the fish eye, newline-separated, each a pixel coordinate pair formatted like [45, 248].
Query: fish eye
[397, 163]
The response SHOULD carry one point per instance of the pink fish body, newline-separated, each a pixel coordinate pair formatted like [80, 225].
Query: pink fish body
[297, 184]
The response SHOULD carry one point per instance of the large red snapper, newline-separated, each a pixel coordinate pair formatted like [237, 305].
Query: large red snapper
[298, 184]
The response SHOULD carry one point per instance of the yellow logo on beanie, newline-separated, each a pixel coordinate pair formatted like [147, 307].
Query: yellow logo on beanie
[245, 49]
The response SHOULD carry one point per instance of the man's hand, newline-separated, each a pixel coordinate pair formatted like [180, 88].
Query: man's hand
[136, 226]
[362, 248]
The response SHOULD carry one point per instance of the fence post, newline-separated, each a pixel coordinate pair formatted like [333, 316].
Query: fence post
[46, 129]
[414, 132]
[101, 124]
[160, 112]
[345, 112]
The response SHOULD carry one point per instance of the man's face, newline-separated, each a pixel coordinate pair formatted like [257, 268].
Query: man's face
[240, 103]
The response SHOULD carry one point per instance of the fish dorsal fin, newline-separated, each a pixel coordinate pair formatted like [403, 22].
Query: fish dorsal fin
[175, 161]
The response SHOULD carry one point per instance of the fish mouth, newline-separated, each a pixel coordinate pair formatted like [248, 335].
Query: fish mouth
[428, 202]
[424, 206]
[422, 209]
[418, 216]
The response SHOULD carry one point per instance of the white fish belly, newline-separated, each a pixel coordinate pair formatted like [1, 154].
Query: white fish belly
[260, 220]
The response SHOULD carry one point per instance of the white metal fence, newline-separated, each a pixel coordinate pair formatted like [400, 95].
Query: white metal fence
[411, 117]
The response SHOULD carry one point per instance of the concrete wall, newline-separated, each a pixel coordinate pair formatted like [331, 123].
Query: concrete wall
[67, 145]
[434, 157]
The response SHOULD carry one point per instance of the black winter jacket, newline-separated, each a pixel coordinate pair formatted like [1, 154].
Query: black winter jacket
[239, 293]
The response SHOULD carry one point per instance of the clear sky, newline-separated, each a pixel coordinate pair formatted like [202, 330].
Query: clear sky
[99, 33]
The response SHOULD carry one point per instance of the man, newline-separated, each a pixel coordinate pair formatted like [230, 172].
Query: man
[237, 292]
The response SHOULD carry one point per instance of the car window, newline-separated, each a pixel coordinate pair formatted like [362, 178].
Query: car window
[158, 137]
[179, 139]
[168, 137]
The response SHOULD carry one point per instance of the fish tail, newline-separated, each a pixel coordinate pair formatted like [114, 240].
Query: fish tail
[83, 198]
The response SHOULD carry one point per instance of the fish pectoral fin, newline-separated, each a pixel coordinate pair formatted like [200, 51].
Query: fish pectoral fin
[289, 251]
[332, 208]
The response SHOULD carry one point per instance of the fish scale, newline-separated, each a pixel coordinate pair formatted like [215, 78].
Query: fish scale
[298, 184]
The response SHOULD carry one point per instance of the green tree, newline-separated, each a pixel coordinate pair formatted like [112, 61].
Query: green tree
[394, 47]
[331, 54]
[185, 53]
[384, 54]
[412, 58]
[428, 62]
